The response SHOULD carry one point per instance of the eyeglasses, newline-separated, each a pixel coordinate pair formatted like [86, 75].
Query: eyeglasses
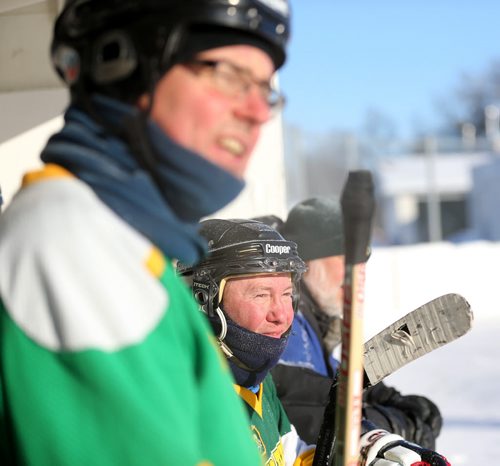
[236, 81]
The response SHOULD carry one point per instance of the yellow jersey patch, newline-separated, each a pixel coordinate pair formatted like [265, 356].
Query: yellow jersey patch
[277, 457]
[156, 263]
[49, 171]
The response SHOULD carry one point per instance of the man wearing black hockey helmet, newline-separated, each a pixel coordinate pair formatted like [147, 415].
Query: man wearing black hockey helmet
[247, 286]
[240, 250]
[115, 362]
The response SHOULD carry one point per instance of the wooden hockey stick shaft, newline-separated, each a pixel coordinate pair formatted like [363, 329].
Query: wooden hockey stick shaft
[358, 206]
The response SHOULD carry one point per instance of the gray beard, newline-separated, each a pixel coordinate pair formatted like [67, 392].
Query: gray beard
[329, 305]
[327, 301]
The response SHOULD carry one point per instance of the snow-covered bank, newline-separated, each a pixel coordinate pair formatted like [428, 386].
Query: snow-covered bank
[463, 378]
[399, 279]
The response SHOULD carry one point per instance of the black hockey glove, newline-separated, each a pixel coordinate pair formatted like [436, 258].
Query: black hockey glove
[422, 408]
[424, 415]
[381, 448]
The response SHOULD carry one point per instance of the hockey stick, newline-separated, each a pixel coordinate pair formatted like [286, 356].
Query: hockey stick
[428, 327]
[358, 206]
[344, 404]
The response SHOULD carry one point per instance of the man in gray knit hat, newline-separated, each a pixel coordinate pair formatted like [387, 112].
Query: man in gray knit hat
[316, 226]
[303, 375]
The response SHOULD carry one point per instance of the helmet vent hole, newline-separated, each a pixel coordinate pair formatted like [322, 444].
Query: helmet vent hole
[201, 297]
[110, 51]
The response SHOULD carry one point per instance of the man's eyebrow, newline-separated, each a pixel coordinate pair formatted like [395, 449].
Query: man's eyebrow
[259, 288]
[253, 288]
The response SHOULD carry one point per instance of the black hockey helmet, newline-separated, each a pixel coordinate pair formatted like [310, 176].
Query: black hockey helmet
[104, 42]
[239, 247]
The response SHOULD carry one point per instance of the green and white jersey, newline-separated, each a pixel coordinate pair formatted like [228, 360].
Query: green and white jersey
[278, 441]
[104, 357]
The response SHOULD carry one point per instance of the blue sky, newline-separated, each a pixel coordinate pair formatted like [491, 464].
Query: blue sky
[398, 57]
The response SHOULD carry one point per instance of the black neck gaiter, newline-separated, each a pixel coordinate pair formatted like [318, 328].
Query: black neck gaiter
[254, 355]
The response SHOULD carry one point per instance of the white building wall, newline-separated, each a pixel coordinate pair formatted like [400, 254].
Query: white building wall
[21, 154]
[265, 192]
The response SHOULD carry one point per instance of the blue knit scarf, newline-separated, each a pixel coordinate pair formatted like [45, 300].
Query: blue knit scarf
[167, 212]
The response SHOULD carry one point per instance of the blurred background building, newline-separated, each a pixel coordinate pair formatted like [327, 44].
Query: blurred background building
[428, 188]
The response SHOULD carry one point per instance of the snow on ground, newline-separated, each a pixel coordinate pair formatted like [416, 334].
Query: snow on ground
[463, 378]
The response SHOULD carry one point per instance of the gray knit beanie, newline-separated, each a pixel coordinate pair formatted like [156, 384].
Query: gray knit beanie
[271, 220]
[316, 226]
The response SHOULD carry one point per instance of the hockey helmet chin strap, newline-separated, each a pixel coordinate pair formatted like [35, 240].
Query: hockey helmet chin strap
[226, 350]
[223, 332]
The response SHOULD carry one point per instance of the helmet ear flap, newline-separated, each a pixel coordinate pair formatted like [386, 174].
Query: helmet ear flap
[206, 295]
[114, 57]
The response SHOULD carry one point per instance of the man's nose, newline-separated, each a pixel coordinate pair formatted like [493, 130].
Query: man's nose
[279, 310]
[254, 107]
